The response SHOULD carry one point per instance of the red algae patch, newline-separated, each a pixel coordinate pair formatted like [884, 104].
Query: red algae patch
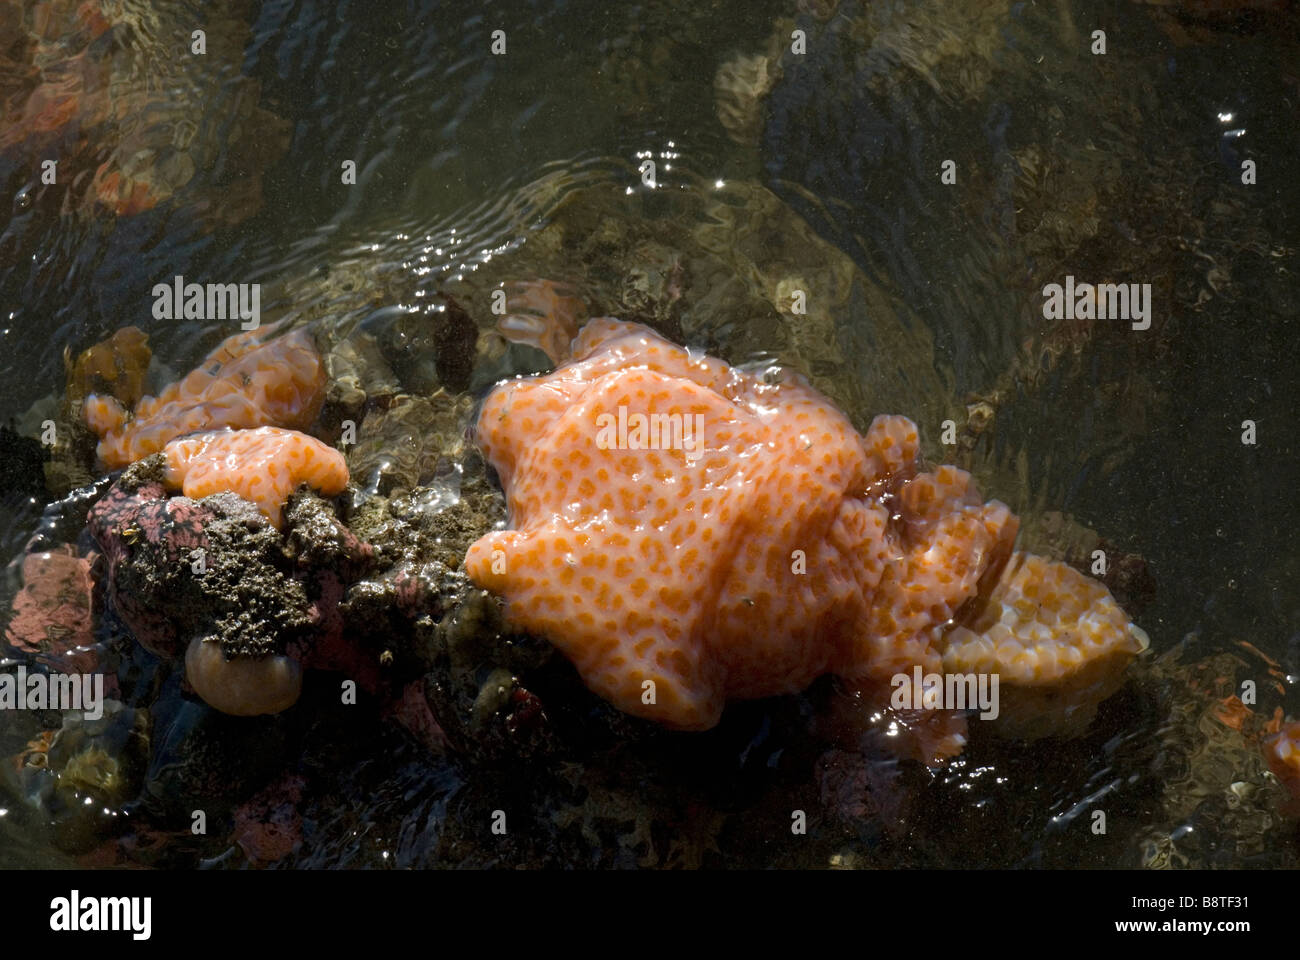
[687, 533]
[245, 382]
[263, 466]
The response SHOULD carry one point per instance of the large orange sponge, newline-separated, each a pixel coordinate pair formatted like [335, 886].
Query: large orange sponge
[245, 382]
[688, 533]
[263, 465]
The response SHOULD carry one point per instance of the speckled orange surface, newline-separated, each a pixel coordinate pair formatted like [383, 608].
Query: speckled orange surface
[264, 466]
[245, 382]
[1057, 640]
[785, 546]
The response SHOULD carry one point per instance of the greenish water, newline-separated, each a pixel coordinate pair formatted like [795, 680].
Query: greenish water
[475, 170]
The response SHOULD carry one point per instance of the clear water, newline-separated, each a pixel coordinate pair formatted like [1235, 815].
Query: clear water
[475, 170]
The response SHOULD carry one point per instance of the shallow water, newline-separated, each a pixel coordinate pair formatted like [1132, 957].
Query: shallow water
[474, 170]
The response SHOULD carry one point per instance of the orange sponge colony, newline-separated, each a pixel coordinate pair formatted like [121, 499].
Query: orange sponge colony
[245, 382]
[263, 465]
[1057, 640]
[688, 533]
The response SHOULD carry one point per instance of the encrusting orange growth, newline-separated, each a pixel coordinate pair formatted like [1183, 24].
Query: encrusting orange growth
[1049, 686]
[245, 382]
[263, 465]
[688, 533]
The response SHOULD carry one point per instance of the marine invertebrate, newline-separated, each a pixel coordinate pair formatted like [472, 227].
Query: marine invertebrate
[245, 382]
[115, 366]
[688, 533]
[543, 314]
[1049, 685]
[242, 686]
[263, 465]
[1282, 750]
[74, 776]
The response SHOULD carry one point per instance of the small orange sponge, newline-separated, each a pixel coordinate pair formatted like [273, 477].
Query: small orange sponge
[263, 465]
[688, 533]
[244, 382]
[1057, 640]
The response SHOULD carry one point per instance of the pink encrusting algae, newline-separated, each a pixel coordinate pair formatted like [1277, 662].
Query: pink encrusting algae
[263, 466]
[245, 382]
[688, 533]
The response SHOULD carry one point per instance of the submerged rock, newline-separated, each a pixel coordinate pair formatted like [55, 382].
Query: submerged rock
[53, 614]
[98, 85]
[79, 776]
[212, 581]
[1219, 803]
[416, 442]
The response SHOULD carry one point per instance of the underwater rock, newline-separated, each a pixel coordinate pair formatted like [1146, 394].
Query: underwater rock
[432, 350]
[896, 94]
[204, 760]
[213, 582]
[360, 381]
[739, 89]
[81, 775]
[53, 614]
[316, 539]
[1212, 762]
[268, 826]
[720, 269]
[417, 442]
[1188, 22]
[22, 463]
[97, 86]
[455, 342]
[749, 549]
[451, 674]
[474, 683]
